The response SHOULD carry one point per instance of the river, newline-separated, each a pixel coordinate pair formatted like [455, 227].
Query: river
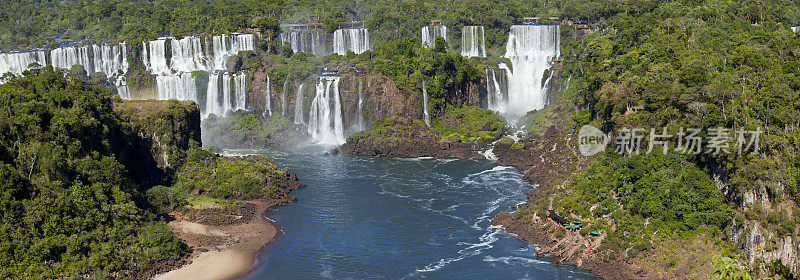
[369, 218]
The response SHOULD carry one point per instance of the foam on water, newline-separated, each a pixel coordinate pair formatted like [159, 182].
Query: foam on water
[359, 216]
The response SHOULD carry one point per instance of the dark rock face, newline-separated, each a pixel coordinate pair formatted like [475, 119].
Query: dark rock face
[382, 99]
[159, 133]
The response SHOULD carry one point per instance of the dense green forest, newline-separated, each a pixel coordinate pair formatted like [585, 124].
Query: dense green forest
[702, 64]
[71, 205]
[68, 206]
[28, 23]
[694, 66]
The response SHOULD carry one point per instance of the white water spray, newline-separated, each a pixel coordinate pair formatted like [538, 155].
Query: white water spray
[531, 49]
[325, 121]
[310, 41]
[427, 117]
[350, 39]
[473, 42]
[430, 33]
[298, 106]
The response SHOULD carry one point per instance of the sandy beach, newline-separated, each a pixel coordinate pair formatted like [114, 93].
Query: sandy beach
[225, 244]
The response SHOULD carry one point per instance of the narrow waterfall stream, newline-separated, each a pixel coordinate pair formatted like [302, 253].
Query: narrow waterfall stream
[427, 117]
[298, 106]
[267, 101]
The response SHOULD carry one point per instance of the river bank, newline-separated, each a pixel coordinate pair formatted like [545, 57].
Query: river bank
[224, 242]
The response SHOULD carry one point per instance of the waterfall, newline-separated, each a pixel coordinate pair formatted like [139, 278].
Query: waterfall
[325, 118]
[360, 111]
[17, 62]
[181, 87]
[350, 39]
[240, 91]
[267, 102]
[284, 93]
[122, 87]
[157, 62]
[493, 97]
[298, 106]
[531, 49]
[212, 97]
[226, 94]
[313, 41]
[229, 45]
[145, 56]
[497, 87]
[66, 57]
[473, 43]
[187, 55]
[427, 116]
[111, 60]
[430, 33]
[224, 91]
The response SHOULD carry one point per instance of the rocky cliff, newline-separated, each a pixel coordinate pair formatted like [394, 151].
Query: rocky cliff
[159, 132]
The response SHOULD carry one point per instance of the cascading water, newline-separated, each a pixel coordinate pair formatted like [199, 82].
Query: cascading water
[66, 57]
[493, 96]
[360, 104]
[350, 39]
[224, 91]
[473, 43]
[145, 56]
[497, 87]
[157, 61]
[111, 60]
[427, 117]
[430, 33]
[122, 87]
[226, 94]
[240, 91]
[229, 45]
[267, 101]
[298, 106]
[17, 62]
[213, 105]
[531, 49]
[310, 41]
[187, 55]
[180, 87]
[325, 122]
[284, 93]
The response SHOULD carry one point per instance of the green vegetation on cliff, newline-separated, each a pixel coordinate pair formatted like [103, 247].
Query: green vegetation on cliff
[468, 124]
[690, 65]
[72, 197]
[679, 64]
[229, 177]
[661, 194]
[463, 125]
[69, 208]
[396, 132]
